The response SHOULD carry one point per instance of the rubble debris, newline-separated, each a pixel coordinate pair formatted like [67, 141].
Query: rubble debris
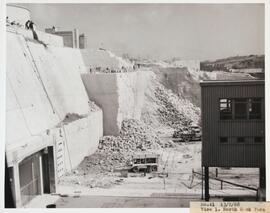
[116, 152]
[93, 106]
[70, 117]
[164, 110]
[187, 156]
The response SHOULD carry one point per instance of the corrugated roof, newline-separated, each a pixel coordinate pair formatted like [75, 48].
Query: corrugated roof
[230, 82]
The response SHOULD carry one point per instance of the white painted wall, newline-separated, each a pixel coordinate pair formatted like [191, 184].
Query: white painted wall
[82, 138]
[43, 85]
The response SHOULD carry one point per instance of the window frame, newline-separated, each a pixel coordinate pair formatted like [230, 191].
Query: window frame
[243, 101]
[228, 102]
[262, 140]
[248, 101]
[241, 142]
[223, 137]
[253, 101]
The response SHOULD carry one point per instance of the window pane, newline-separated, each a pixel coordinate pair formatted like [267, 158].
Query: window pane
[223, 140]
[240, 99]
[225, 108]
[240, 140]
[255, 108]
[240, 108]
[258, 139]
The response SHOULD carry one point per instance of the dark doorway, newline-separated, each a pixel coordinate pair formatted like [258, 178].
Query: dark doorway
[29, 170]
[48, 170]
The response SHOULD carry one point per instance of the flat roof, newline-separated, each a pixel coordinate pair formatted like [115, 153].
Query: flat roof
[231, 82]
[19, 6]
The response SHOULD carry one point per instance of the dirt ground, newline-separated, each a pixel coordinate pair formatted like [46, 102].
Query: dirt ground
[178, 162]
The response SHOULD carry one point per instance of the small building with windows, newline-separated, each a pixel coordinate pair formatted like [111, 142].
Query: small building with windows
[233, 126]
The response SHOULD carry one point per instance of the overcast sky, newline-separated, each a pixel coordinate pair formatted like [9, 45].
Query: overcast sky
[188, 31]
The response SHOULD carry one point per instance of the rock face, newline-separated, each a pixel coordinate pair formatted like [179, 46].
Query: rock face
[120, 95]
[163, 109]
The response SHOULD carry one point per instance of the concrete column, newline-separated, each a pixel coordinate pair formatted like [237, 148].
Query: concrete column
[76, 38]
[206, 179]
[17, 186]
[202, 183]
[41, 174]
[262, 178]
[52, 172]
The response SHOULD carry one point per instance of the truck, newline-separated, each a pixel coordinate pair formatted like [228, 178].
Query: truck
[144, 162]
[193, 133]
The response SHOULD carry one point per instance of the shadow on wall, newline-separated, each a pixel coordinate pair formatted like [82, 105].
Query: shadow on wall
[102, 89]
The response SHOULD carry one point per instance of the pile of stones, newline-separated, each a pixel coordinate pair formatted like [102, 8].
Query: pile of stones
[116, 151]
[173, 111]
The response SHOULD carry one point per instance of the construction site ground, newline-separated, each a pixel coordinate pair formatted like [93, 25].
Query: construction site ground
[181, 183]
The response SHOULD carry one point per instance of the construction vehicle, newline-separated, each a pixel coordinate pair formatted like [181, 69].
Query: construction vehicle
[193, 133]
[144, 162]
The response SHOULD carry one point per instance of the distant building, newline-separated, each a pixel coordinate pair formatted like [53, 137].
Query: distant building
[233, 126]
[82, 41]
[71, 38]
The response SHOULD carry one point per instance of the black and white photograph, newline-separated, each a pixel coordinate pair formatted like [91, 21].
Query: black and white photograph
[134, 105]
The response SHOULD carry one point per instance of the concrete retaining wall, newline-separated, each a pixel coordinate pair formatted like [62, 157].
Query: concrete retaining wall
[49, 39]
[43, 86]
[82, 137]
[120, 95]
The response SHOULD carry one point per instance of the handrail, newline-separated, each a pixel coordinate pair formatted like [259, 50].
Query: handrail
[224, 181]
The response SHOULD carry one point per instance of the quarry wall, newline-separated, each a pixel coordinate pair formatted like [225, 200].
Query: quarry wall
[104, 58]
[193, 65]
[43, 86]
[120, 95]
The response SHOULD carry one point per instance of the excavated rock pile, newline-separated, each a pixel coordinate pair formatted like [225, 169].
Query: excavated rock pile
[174, 112]
[115, 152]
[93, 106]
[164, 109]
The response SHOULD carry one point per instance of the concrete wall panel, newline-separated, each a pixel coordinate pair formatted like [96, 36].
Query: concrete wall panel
[59, 72]
[40, 81]
[25, 94]
[87, 130]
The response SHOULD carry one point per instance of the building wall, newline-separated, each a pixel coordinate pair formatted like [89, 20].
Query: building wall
[67, 38]
[230, 154]
[70, 38]
[82, 41]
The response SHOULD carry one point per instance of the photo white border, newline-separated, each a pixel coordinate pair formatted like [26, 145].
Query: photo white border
[120, 210]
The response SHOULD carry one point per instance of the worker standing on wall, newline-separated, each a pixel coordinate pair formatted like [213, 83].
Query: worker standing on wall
[27, 25]
[31, 26]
